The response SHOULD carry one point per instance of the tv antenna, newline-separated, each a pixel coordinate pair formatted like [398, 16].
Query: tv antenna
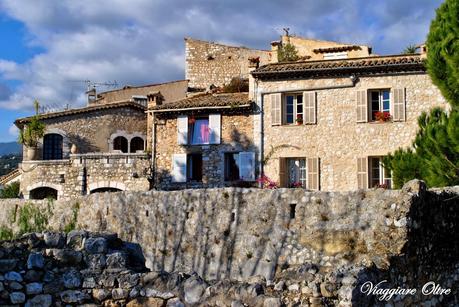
[93, 84]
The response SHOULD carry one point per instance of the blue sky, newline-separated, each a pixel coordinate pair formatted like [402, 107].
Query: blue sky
[48, 47]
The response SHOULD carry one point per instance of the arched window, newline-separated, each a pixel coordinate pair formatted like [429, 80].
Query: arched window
[52, 146]
[120, 143]
[137, 143]
[43, 192]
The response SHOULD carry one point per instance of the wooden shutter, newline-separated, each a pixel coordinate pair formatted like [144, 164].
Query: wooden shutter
[309, 108]
[313, 182]
[283, 179]
[182, 129]
[398, 98]
[362, 106]
[179, 168]
[362, 173]
[215, 128]
[276, 109]
[247, 166]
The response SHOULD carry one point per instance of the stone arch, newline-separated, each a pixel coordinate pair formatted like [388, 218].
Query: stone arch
[127, 136]
[137, 143]
[42, 184]
[106, 185]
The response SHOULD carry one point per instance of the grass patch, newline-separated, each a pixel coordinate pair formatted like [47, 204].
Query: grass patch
[72, 224]
[6, 233]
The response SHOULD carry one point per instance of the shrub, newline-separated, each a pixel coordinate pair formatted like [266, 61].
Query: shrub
[10, 191]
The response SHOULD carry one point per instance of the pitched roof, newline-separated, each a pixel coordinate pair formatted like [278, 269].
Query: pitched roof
[358, 66]
[10, 176]
[208, 101]
[122, 104]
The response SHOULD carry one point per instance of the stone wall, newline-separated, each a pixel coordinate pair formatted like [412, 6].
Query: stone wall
[300, 238]
[171, 91]
[211, 63]
[236, 135]
[82, 174]
[337, 139]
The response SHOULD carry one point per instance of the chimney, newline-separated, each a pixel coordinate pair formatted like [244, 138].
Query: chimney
[274, 50]
[154, 99]
[422, 50]
[254, 63]
[92, 95]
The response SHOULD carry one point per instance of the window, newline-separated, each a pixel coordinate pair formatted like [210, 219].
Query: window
[120, 143]
[231, 166]
[379, 176]
[297, 175]
[335, 55]
[198, 129]
[52, 146]
[379, 102]
[194, 167]
[293, 109]
[137, 143]
[142, 100]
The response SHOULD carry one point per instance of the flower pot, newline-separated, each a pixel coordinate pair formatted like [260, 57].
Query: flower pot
[73, 149]
[299, 123]
[31, 153]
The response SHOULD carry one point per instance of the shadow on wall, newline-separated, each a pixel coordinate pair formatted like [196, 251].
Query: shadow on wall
[83, 145]
[429, 255]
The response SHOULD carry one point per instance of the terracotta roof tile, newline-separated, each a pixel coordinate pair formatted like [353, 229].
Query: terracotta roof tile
[366, 65]
[207, 100]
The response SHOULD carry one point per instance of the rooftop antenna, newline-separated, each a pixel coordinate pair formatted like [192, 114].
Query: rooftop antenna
[286, 30]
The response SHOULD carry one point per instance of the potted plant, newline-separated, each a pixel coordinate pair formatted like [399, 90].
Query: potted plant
[382, 116]
[31, 134]
[299, 119]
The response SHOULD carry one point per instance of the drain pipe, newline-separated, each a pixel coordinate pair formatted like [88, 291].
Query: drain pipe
[352, 78]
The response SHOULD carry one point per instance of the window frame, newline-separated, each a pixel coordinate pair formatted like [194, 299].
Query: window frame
[302, 172]
[294, 106]
[380, 102]
[226, 170]
[53, 146]
[382, 178]
[189, 167]
[191, 129]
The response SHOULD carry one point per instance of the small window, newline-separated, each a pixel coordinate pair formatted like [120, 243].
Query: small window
[335, 55]
[137, 143]
[293, 109]
[379, 104]
[120, 143]
[198, 129]
[53, 146]
[231, 166]
[194, 167]
[142, 100]
[379, 175]
[297, 174]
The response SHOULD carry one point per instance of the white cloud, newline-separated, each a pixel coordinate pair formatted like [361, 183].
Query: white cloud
[141, 41]
[13, 131]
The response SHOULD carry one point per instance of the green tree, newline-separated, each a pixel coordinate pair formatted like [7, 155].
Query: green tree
[410, 49]
[33, 131]
[434, 156]
[287, 53]
[443, 51]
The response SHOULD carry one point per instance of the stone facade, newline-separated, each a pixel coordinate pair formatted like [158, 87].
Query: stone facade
[337, 139]
[210, 63]
[83, 174]
[97, 165]
[236, 135]
[296, 239]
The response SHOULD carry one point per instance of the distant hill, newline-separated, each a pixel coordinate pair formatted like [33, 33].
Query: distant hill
[9, 148]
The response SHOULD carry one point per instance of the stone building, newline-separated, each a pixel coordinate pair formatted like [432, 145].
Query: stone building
[100, 147]
[203, 141]
[327, 124]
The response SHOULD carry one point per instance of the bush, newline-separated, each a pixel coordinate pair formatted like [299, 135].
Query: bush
[287, 53]
[10, 191]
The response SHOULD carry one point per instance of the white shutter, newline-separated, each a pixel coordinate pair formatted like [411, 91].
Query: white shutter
[309, 108]
[182, 129]
[313, 182]
[362, 173]
[398, 98]
[362, 107]
[179, 168]
[247, 166]
[276, 109]
[215, 128]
